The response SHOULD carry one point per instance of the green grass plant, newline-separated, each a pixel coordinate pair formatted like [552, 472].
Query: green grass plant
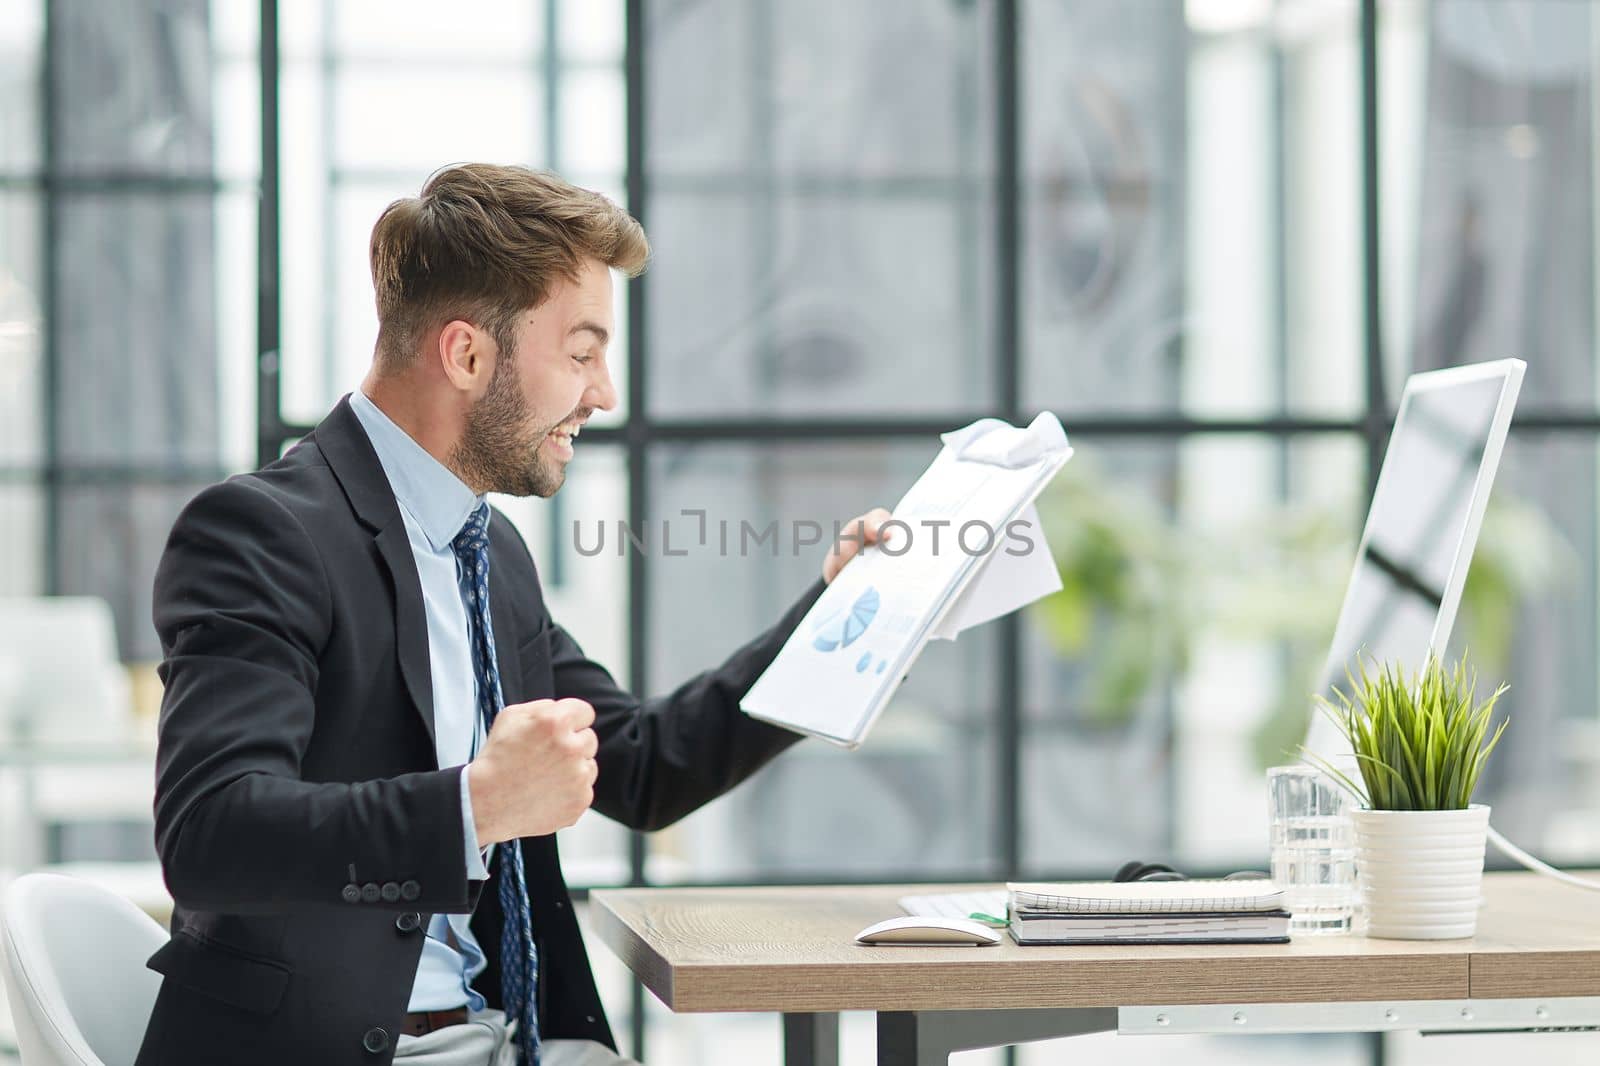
[1420, 742]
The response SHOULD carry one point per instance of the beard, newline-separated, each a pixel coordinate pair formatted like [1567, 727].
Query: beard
[497, 452]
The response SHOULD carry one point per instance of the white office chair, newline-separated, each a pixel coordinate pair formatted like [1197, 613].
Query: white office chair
[70, 685]
[67, 691]
[75, 971]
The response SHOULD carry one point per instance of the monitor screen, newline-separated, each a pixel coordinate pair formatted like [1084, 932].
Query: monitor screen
[1423, 523]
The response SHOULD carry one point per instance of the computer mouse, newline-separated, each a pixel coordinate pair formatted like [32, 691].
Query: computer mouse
[918, 929]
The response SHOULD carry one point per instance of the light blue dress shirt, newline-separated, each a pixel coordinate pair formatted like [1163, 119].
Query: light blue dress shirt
[435, 505]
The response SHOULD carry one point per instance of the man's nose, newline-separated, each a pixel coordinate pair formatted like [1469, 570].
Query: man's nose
[602, 394]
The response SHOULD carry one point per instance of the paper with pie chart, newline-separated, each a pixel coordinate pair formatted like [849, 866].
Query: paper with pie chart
[839, 668]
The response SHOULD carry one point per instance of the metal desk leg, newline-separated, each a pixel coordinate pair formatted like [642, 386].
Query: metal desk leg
[928, 1038]
[811, 1040]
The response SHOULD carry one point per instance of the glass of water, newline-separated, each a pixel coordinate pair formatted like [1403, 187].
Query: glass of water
[1313, 849]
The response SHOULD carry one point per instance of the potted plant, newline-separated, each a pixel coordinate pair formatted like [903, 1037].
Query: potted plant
[1420, 745]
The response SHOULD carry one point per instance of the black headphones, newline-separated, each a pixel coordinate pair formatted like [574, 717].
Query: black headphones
[1158, 871]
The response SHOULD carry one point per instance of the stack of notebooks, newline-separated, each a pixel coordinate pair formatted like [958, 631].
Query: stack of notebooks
[1149, 912]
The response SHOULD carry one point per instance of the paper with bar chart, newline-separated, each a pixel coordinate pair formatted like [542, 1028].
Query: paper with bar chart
[954, 558]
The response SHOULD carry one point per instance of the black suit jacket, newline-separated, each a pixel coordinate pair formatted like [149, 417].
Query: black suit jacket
[305, 829]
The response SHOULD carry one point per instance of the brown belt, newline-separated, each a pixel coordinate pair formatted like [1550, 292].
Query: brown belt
[423, 1022]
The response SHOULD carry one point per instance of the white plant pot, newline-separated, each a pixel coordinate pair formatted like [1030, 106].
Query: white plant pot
[1420, 873]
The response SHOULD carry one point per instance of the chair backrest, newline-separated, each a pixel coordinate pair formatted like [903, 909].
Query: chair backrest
[75, 971]
[68, 680]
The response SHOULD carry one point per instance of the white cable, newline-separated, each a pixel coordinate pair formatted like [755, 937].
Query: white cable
[1535, 865]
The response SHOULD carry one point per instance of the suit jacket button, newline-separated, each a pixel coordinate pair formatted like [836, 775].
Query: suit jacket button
[351, 894]
[375, 1040]
[410, 890]
[370, 892]
[409, 922]
[391, 892]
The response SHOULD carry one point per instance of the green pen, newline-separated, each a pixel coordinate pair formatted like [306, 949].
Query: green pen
[989, 919]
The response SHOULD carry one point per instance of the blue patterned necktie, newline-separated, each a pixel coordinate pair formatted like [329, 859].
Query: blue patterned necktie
[519, 960]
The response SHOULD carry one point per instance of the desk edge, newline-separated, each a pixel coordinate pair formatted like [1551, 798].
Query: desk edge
[644, 962]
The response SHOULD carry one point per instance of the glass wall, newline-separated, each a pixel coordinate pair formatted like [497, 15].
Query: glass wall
[1489, 188]
[128, 180]
[872, 223]
[1186, 258]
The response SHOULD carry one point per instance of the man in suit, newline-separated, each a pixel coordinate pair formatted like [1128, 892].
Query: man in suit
[372, 727]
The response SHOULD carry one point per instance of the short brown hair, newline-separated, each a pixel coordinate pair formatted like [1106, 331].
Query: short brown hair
[484, 243]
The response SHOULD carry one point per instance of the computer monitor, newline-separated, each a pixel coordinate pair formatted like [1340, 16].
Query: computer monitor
[1422, 527]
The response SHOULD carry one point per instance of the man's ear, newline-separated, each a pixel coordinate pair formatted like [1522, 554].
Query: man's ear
[466, 354]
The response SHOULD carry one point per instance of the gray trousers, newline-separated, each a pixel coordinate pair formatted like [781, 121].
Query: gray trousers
[485, 1040]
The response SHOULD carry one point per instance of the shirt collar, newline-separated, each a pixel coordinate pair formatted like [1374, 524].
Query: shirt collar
[437, 500]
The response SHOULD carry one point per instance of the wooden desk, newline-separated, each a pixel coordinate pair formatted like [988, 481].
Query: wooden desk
[1535, 964]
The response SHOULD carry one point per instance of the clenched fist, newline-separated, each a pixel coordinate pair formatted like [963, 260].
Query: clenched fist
[536, 772]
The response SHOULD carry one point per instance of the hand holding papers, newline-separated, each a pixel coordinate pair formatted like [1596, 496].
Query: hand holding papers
[964, 547]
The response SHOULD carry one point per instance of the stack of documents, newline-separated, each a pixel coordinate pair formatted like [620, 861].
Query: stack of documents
[1149, 912]
[965, 547]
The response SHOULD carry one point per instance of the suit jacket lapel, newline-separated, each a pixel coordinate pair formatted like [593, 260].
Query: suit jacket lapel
[410, 620]
[350, 456]
[502, 618]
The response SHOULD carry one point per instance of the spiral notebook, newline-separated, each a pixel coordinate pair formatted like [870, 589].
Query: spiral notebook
[1147, 897]
[1266, 927]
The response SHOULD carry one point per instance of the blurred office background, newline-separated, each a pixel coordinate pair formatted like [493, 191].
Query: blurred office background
[1213, 236]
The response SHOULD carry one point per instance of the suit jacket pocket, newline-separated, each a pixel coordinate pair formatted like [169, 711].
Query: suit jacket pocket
[223, 973]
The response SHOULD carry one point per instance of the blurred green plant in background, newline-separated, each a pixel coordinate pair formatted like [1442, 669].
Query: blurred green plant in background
[1139, 592]
[1126, 607]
